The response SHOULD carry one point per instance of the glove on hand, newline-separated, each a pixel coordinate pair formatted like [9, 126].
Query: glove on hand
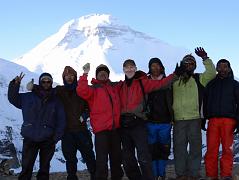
[86, 68]
[30, 85]
[201, 53]
[179, 70]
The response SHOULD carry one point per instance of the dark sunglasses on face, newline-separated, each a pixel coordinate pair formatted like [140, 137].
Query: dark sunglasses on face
[189, 63]
[46, 82]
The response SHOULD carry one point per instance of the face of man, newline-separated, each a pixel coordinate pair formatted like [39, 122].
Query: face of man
[46, 83]
[223, 69]
[102, 76]
[156, 69]
[69, 78]
[190, 66]
[129, 70]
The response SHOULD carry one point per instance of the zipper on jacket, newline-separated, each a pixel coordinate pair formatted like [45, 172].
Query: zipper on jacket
[112, 107]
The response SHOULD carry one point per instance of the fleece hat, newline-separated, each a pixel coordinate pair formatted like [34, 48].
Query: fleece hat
[129, 61]
[155, 60]
[45, 75]
[102, 67]
[68, 70]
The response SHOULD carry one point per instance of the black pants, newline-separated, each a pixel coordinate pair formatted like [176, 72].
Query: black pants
[107, 143]
[73, 141]
[30, 150]
[136, 138]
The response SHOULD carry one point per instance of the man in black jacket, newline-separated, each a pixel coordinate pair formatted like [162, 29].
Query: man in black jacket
[43, 124]
[160, 118]
[221, 107]
[76, 136]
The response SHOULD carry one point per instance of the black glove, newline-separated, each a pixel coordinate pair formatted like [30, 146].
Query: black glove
[201, 53]
[203, 124]
[179, 70]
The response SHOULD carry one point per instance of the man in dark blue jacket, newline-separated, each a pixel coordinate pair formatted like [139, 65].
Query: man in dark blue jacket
[43, 124]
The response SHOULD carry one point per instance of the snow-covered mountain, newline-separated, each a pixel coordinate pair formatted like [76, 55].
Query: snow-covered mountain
[98, 39]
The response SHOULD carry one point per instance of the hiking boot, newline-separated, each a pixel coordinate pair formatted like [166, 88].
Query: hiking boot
[212, 178]
[182, 178]
[227, 178]
[160, 178]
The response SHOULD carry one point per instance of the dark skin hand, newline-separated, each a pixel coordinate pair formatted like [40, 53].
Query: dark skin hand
[18, 79]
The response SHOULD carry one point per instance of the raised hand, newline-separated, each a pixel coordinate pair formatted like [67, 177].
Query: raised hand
[179, 70]
[30, 85]
[18, 79]
[201, 53]
[86, 68]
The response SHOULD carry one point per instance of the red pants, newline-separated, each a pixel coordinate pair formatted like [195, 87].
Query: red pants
[220, 130]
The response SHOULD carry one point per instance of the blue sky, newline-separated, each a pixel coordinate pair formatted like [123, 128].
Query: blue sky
[212, 24]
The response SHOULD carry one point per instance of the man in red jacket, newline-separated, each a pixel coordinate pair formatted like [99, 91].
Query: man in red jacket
[104, 103]
[133, 116]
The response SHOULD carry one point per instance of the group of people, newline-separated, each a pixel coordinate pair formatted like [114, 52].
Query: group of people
[132, 120]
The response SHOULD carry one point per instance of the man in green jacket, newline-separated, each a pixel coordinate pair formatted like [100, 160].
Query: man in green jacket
[187, 95]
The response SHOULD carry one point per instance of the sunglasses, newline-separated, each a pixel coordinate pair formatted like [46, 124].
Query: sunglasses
[189, 63]
[46, 82]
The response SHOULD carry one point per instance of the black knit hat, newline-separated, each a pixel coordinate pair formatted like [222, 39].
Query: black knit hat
[45, 75]
[102, 67]
[155, 60]
[129, 61]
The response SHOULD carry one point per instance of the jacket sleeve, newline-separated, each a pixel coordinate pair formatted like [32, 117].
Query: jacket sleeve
[169, 99]
[60, 123]
[14, 96]
[205, 102]
[83, 89]
[152, 85]
[209, 73]
[237, 100]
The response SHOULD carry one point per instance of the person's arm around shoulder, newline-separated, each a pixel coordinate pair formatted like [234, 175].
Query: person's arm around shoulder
[151, 85]
[210, 70]
[83, 89]
[13, 91]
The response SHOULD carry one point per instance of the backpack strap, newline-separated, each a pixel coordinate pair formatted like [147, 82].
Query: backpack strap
[144, 96]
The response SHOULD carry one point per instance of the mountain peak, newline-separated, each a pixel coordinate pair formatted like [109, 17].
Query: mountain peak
[96, 39]
[89, 24]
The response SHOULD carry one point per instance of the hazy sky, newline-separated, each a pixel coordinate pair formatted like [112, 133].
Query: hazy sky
[213, 24]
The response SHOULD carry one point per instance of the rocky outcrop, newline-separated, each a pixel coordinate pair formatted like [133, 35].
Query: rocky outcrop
[8, 154]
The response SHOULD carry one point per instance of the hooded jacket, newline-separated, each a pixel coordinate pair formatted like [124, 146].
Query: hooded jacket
[221, 98]
[160, 104]
[74, 107]
[186, 96]
[104, 103]
[43, 117]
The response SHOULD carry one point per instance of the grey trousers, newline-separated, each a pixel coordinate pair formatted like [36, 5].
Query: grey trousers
[187, 132]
